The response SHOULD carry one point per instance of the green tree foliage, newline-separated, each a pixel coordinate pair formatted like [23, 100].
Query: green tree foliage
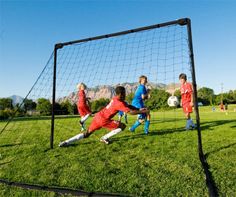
[6, 103]
[66, 108]
[97, 105]
[229, 97]
[6, 108]
[75, 110]
[177, 93]
[206, 95]
[129, 98]
[158, 99]
[29, 105]
[44, 106]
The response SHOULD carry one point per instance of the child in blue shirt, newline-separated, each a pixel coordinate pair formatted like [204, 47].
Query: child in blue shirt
[138, 101]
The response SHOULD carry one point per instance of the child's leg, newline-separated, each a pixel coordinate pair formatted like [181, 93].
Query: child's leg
[116, 127]
[84, 118]
[147, 123]
[126, 119]
[82, 121]
[75, 138]
[189, 122]
[93, 127]
[141, 118]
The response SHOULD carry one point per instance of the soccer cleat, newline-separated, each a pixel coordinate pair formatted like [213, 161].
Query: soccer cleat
[135, 125]
[131, 129]
[146, 127]
[63, 144]
[105, 141]
[146, 132]
[194, 126]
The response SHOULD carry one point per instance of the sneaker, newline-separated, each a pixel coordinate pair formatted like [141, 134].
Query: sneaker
[146, 132]
[132, 130]
[63, 144]
[105, 141]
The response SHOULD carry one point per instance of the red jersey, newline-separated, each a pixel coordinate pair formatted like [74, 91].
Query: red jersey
[112, 109]
[186, 93]
[81, 98]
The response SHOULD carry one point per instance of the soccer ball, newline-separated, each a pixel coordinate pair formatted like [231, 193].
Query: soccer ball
[173, 101]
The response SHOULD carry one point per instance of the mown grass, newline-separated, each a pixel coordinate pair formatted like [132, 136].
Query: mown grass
[164, 163]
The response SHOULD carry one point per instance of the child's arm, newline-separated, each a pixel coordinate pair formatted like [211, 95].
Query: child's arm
[191, 102]
[147, 95]
[140, 111]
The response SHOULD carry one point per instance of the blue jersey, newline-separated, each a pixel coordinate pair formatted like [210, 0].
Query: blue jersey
[137, 100]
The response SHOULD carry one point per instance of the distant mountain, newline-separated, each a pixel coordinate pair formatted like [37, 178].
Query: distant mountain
[16, 99]
[107, 91]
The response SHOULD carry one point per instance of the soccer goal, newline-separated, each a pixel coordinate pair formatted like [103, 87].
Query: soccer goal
[161, 52]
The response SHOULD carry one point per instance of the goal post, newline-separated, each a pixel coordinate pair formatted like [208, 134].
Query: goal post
[181, 22]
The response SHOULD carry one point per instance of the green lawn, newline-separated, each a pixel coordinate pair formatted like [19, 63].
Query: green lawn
[164, 163]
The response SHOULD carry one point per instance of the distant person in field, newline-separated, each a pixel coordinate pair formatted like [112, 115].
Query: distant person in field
[221, 107]
[103, 119]
[121, 114]
[226, 106]
[186, 91]
[138, 101]
[83, 105]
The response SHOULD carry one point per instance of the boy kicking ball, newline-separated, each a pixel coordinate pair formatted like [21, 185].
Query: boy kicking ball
[103, 119]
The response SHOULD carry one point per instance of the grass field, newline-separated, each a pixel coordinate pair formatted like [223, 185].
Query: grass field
[164, 163]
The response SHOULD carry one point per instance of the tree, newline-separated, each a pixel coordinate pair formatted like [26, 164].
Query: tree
[44, 106]
[97, 105]
[129, 98]
[177, 93]
[6, 103]
[206, 95]
[158, 99]
[66, 108]
[29, 105]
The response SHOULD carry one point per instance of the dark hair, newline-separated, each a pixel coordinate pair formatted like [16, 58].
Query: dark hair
[183, 76]
[142, 77]
[120, 90]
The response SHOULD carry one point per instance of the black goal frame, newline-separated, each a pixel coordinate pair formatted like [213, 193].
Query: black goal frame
[183, 21]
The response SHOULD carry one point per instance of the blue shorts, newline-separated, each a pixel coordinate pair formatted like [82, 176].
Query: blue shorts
[142, 116]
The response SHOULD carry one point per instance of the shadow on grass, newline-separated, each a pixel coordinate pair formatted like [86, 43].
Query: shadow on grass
[10, 145]
[1, 164]
[151, 134]
[209, 125]
[219, 149]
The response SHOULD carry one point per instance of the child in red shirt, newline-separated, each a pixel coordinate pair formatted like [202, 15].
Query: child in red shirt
[103, 119]
[82, 105]
[186, 100]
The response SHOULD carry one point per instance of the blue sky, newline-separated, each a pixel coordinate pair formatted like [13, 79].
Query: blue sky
[29, 30]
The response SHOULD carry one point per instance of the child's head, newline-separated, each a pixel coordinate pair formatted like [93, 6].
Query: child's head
[182, 78]
[143, 79]
[81, 86]
[120, 92]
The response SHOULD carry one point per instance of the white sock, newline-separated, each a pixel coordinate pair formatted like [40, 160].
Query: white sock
[75, 138]
[112, 133]
[84, 118]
